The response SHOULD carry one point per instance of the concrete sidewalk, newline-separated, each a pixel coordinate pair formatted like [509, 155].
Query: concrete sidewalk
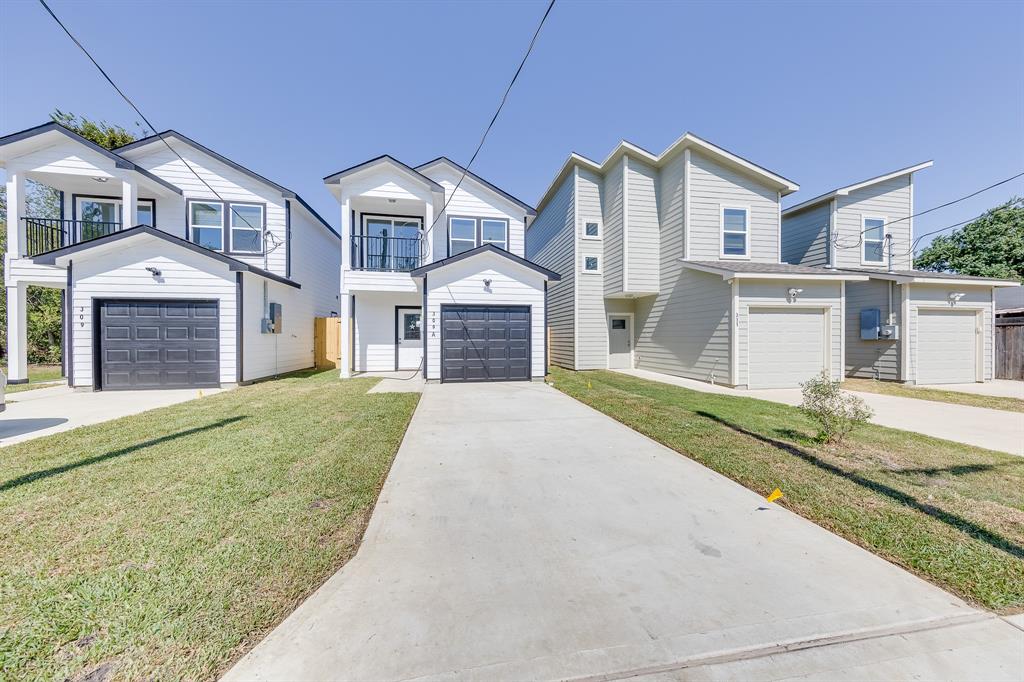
[993, 429]
[43, 411]
[523, 535]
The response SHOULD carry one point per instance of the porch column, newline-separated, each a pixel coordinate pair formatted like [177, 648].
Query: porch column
[15, 212]
[129, 203]
[428, 220]
[17, 333]
[346, 336]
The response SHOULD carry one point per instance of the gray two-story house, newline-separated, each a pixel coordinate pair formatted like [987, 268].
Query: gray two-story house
[672, 262]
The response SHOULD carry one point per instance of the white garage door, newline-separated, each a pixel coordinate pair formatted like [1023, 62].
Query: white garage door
[785, 346]
[946, 347]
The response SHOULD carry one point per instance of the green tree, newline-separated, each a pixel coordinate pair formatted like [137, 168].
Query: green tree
[106, 135]
[991, 246]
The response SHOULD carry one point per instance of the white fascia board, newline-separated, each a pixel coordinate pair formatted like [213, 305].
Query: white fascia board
[573, 161]
[728, 274]
[844, 191]
[965, 282]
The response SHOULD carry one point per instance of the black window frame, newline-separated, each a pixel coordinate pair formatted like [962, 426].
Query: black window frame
[226, 246]
[478, 232]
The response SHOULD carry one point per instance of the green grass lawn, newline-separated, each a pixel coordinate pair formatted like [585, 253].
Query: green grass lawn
[36, 375]
[934, 394]
[163, 545]
[951, 513]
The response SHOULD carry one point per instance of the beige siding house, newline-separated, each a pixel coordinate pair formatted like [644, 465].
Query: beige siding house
[675, 267]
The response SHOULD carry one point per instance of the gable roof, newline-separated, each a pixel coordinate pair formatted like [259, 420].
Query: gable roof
[843, 191]
[930, 277]
[480, 250]
[686, 141]
[383, 160]
[470, 174]
[50, 257]
[119, 161]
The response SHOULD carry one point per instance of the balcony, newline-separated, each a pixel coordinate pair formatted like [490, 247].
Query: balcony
[386, 254]
[47, 234]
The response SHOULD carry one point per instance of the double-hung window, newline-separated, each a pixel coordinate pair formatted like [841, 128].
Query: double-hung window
[494, 232]
[735, 228]
[246, 228]
[231, 227]
[874, 240]
[206, 224]
[468, 233]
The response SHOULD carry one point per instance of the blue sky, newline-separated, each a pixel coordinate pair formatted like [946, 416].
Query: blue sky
[823, 93]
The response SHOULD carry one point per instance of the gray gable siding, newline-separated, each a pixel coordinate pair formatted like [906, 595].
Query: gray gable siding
[642, 227]
[890, 200]
[805, 236]
[550, 242]
[712, 185]
[592, 349]
[871, 359]
[613, 216]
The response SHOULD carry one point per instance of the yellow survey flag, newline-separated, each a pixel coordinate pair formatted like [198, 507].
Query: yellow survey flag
[776, 494]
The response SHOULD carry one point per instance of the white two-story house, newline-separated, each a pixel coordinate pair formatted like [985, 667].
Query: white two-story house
[179, 267]
[434, 277]
[901, 324]
[672, 262]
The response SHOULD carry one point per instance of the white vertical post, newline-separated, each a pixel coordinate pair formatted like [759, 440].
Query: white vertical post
[15, 212]
[17, 334]
[425, 250]
[129, 203]
[346, 336]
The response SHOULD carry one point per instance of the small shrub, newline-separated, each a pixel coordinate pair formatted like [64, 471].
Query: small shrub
[837, 412]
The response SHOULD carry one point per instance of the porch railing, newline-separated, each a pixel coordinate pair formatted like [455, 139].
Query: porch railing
[47, 234]
[385, 254]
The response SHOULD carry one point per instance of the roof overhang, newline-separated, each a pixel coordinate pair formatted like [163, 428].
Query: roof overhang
[385, 161]
[445, 161]
[924, 278]
[844, 191]
[487, 250]
[729, 273]
[117, 240]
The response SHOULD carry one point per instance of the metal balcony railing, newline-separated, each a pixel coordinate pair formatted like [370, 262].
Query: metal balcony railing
[47, 234]
[385, 254]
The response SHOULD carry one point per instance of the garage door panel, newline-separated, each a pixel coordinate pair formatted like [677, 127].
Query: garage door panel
[947, 346]
[785, 346]
[485, 343]
[158, 344]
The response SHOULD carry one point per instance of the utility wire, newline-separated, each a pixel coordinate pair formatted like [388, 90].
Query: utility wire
[490, 125]
[125, 97]
[913, 246]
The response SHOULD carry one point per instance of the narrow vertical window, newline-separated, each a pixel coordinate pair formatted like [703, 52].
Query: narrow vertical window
[246, 228]
[734, 232]
[206, 224]
[874, 240]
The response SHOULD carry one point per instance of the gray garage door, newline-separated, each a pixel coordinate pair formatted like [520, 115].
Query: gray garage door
[158, 344]
[485, 343]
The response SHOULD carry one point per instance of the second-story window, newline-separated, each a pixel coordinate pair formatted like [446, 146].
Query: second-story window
[246, 228]
[461, 235]
[592, 229]
[735, 221]
[234, 227]
[874, 240]
[206, 224]
[494, 232]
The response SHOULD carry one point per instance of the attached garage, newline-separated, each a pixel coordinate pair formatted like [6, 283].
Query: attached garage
[947, 346]
[157, 344]
[485, 343]
[786, 346]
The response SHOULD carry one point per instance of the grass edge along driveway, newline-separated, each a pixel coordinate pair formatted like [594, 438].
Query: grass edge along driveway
[951, 513]
[992, 402]
[166, 544]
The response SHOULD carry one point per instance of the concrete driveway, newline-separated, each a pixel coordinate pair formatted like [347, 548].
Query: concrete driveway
[42, 411]
[993, 429]
[522, 535]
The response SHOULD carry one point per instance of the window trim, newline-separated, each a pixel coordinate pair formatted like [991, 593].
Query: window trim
[226, 245]
[583, 263]
[118, 200]
[476, 233]
[600, 230]
[231, 227]
[722, 208]
[864, 239]
[480, 232]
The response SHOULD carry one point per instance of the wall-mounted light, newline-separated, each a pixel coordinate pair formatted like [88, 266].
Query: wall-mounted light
[955, 296]
[487, 284]
[392, 201]
[153, 271]
[793, 293]
[100, 179]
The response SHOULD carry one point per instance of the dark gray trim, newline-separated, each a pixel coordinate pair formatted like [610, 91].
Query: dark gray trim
[69, 326]
[510, 306]
[351, 335]
[238, 326]
[335, 178]
[226, 226]
[97, 373]
[76, 197]
[470, 174]
[61, 195]
[119, 161]
[287, 238]
[478, 231]
[50, 257]
[545, 328]
[398, 314]
[486, 248]
[320, 219]
[425, 329]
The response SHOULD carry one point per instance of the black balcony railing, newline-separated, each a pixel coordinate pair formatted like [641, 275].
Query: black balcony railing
[47, 234]
[385, 254]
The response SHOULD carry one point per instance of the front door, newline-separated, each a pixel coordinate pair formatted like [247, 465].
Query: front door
[620, 342]
[409, 339]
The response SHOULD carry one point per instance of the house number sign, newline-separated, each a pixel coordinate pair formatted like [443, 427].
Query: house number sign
[433, 324]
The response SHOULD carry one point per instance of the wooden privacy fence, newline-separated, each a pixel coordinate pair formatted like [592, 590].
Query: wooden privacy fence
[1010, 346]
[327, 342]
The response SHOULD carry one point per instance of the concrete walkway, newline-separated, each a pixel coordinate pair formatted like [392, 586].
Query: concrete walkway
[993, 429]
[43, 411]
[522, 535]
[1003, 388]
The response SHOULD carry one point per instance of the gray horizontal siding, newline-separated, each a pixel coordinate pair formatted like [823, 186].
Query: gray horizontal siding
[805, 236]
[642, 227]
[871, 359]
[592, 352]
[890, 199]
[550, 242]
[613, 213]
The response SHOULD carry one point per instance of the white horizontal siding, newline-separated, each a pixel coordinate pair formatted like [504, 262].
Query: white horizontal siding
[68, 157]
[937, 296]
[550, 242]
[121, 274]
[872, 359]
[890, 200]
[805, 236]
[642, 234]
[375, 329]
[462, 284]
[368, 280]
[24, 271]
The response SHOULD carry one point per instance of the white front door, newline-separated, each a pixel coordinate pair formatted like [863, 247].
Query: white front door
[409, 339]
[620, 342]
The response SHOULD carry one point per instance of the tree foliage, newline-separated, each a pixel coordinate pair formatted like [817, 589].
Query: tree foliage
[991, 246]
[106, 135]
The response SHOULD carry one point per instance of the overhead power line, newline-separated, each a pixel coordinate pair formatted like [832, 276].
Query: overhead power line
[490, 125]
[913, 246]
[127, 99]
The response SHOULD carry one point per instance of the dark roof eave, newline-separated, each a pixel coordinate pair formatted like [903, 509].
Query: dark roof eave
[335, 178]
[530, 210]
[486, 248]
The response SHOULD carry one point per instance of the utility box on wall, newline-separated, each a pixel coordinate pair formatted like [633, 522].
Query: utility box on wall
[870, 324]
[272, 323]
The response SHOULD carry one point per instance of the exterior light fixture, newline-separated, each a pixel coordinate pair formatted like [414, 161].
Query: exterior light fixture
[955, 296]
[153, 271]
[487, 283]
[100, 179]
